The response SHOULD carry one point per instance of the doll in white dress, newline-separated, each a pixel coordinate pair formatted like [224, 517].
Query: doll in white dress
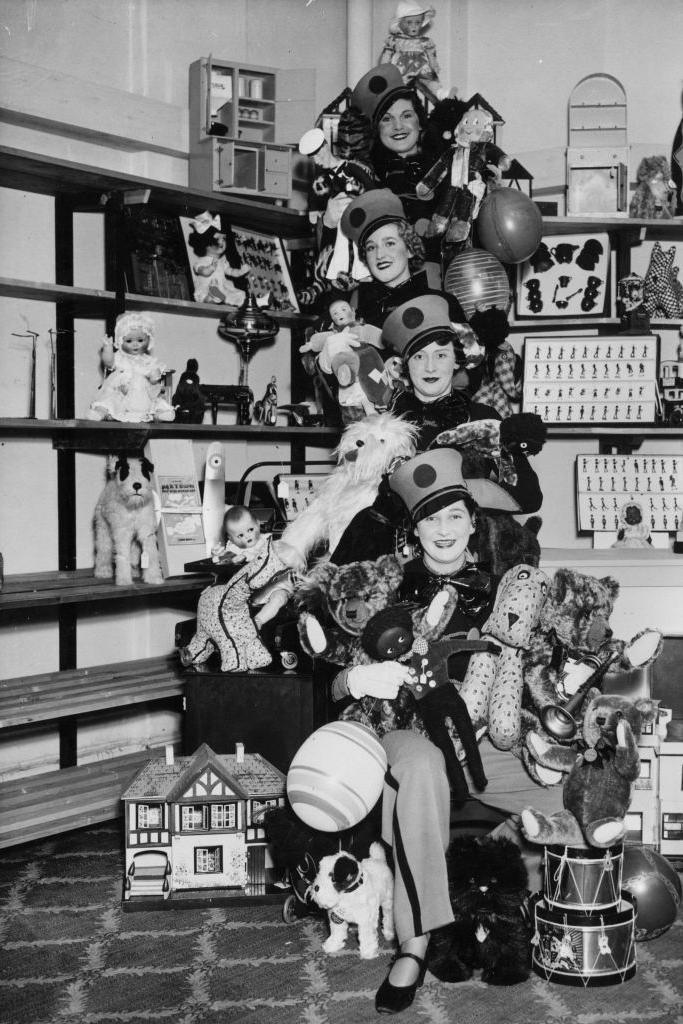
[132, 390]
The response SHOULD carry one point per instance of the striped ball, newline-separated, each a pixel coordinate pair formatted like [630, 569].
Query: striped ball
[336, 776]
[478, 281]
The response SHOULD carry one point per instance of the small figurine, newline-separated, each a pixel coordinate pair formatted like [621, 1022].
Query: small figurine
[410, 49]
[630, 296]
[224, 617]
[131, 392]
[634, 531]
[265, 411]
[189, 400]
[218, 262]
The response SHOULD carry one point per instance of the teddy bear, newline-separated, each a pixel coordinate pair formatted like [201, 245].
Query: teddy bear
[487, 882]
[598, 771]
[654, 197]
[572, 629]
[359, 622]
[493, 684]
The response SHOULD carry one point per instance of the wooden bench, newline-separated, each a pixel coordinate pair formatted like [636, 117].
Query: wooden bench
[45, 805]
[77, 795]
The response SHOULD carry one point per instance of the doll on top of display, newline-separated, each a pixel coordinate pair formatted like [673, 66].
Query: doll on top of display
[218, 262]
[132, 390]
[411, 50]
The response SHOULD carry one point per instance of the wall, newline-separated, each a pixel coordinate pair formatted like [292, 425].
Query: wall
[106, 84]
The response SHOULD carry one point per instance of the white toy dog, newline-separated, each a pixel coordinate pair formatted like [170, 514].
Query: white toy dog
[353, 892]
[125, 524]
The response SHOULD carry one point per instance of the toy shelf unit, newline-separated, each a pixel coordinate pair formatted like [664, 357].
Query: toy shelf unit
[244, 123]
[597, 153]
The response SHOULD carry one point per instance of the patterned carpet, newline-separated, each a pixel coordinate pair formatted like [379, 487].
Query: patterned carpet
[71, 956]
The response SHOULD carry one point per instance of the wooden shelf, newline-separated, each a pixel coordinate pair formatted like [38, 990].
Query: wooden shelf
[589, 225]
[619, 433]
[32, 591]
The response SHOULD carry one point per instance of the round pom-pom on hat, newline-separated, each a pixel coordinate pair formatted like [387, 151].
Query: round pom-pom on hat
[336, 776]
[418, 322]
[377, 89]
[433, 480]
[367, 212]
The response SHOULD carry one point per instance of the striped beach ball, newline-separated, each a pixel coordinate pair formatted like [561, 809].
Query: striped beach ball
[336, 776]
[478, 280]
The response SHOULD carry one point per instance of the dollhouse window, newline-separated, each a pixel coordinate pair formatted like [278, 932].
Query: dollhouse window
[150, 816]
[208, 860]
[223, 815]
[194, 817]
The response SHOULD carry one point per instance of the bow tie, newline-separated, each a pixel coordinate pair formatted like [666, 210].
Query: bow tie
[474, 588]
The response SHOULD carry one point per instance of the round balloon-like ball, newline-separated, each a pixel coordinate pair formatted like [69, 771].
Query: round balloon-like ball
[478, 281]
[336, 776]
[655, 887]
[509, 225]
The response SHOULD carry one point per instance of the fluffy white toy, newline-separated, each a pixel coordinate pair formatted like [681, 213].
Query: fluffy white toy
[354, 892]
[367, 450]
[125, 524]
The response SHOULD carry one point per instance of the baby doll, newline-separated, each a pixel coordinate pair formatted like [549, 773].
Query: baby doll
[132, 390]
[411, 49]
[224, 617]
[335, 184]
[218, 262]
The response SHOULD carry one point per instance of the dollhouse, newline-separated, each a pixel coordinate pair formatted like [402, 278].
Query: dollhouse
[192, 825]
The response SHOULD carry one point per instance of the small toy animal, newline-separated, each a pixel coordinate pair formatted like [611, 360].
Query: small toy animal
[597, 788]
[487, 883]
[662, 291]
[655, 195]
[354, 892]
[125, 524]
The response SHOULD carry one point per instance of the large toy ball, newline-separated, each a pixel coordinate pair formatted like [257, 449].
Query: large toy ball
[477, 280]
[336, 776]
[509, 225]
[656, 889]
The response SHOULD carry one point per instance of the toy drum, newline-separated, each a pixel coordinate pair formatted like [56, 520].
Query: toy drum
[583, 879]
[581, 949]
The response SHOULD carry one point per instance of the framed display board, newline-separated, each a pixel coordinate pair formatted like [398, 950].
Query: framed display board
[605, 380]
[270, 269]
[605, 483]
[567, 277]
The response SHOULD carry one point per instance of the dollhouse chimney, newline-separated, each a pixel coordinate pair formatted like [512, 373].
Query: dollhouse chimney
[169, 754]
[239, 753]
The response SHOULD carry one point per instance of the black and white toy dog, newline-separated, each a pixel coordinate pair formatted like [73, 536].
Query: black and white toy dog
[354, 892]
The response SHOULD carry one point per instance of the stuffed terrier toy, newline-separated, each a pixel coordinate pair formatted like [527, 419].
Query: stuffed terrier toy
[493, 684]
[354, 892]
[125, 524]
[598, 774]
[491, 931]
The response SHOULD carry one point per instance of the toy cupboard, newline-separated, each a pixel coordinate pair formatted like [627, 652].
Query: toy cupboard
[70, 594]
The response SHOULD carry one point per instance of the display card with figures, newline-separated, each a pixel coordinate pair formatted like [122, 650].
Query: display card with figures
[567, 276]
[296, 492]
[270, 274]
[607, 484]
[605, 380]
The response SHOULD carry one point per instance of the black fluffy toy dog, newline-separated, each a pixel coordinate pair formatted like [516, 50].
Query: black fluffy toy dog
[488, 888]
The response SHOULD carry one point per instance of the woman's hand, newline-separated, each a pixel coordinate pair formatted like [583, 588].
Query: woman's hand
[334, 209]
[382, 680]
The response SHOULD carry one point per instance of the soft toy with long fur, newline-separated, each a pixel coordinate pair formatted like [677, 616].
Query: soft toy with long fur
[493, 684]
[654, 197]
[125, 524]
[354, 892]
[598, 772]
[487, 883]
[367, 450]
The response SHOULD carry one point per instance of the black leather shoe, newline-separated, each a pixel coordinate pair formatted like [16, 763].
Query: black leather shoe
[395, 998]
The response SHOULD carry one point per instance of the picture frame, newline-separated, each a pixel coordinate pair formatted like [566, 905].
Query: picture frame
[568, 277]
[157, 262]
[598, 380]
[270, 268]
[605, 483]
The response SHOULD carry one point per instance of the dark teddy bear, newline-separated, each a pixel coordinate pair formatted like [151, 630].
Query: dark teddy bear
[487, 882]
[601, 768]
[363, 624]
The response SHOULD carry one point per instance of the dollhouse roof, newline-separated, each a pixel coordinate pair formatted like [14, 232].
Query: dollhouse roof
[477, 100]
[251, 778]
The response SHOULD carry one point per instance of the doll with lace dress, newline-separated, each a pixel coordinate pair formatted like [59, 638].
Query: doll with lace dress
[132, 390]
[410, 49]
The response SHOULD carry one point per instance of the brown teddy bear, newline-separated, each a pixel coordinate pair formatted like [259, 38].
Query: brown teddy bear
[599, 771]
